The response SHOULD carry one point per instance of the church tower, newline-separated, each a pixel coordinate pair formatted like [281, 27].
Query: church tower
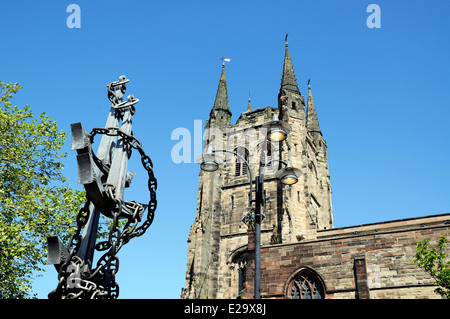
[221, 242]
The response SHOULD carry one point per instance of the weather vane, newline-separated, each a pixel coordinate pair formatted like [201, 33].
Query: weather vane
[224, 59]
[105, 176]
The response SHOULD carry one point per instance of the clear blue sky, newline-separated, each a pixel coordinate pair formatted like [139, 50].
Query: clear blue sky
[382, 96]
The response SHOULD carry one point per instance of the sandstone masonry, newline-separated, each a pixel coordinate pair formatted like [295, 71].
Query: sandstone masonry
[302, 254]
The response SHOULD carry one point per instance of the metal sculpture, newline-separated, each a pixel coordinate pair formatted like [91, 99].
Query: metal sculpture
[105, 177]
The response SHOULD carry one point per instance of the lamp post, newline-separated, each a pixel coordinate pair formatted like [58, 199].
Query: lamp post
[287, 176]
[209, 162]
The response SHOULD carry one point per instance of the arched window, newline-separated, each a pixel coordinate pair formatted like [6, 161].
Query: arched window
[242, 277]
[238, 264]
[305, 284]
[267, 152]
[313, 178]
[241, 167]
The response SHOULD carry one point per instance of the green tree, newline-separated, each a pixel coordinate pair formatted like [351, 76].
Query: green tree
[35, 198]
[433, 261]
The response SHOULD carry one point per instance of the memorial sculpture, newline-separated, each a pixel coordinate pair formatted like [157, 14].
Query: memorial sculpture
[105, 176]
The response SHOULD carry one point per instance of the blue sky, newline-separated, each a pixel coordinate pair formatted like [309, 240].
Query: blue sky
[381, 96]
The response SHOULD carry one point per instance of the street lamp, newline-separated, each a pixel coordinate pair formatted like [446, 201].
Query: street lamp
[209, 166]
[288, 175]
[209, 162]
[277, 131]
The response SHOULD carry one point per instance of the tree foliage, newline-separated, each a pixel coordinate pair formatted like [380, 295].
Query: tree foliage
[435, 262]
[35, 199]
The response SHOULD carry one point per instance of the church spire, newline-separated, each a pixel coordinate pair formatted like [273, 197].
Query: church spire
[249, 107]
[288, 81]
[221, 102]
[312, 121]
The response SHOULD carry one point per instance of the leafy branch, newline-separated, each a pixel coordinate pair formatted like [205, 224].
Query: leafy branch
[434, 262]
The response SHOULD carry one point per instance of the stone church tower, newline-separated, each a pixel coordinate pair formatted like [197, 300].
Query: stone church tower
[220, 243]
[302, 255]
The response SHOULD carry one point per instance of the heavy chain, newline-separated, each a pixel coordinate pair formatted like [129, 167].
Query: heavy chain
[100, 282]
[72, 261]
[75, 278]
[117, 238]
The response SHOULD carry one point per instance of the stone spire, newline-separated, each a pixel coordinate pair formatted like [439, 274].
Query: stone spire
[249, 107]
[288, 81]
[221, 102]
[312, 121]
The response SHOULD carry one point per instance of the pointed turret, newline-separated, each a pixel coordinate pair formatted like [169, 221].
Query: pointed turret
[221, 106]
[291, 104]
[312, 121]
[249, 106]
[288, 81]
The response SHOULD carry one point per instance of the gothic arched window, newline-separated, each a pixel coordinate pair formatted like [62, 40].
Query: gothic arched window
[305, 284]
[241, 167]
[267, 153]
[238, 262]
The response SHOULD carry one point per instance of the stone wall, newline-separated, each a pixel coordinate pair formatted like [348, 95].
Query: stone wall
[368, 261]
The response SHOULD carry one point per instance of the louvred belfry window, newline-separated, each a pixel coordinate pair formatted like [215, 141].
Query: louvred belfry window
[241, 167]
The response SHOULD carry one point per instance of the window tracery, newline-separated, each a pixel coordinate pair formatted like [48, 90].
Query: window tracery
[305, 285]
